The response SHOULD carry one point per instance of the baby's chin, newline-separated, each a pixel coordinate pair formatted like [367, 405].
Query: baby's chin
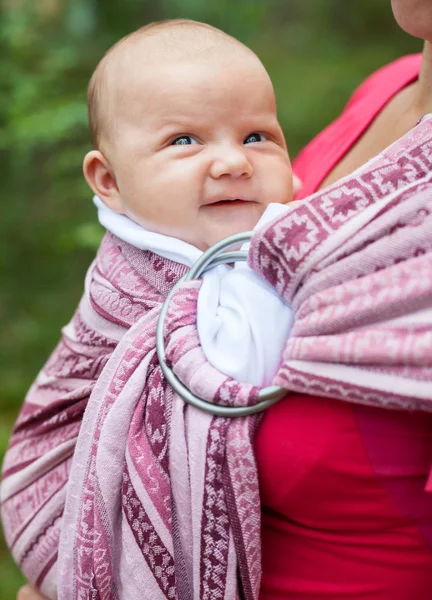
[220, 222]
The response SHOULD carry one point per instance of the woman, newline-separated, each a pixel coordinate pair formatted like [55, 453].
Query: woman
[344, 511]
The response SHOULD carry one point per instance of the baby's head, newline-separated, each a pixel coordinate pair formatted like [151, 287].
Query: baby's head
[185, 133]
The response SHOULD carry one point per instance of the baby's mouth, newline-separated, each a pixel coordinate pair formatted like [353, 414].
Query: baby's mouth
[227, 202]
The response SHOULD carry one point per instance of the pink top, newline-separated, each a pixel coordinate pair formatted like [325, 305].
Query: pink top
[345, 514]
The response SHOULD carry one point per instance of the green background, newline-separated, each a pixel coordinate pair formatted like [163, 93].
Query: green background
[316, 51]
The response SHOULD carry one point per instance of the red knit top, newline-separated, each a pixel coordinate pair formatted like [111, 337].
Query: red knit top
[345, 512]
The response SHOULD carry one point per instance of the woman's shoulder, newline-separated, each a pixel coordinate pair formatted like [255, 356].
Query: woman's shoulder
[318, 158]
[387, 80]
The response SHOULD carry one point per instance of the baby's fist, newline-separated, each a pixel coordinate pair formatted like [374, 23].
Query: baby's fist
[29, 593]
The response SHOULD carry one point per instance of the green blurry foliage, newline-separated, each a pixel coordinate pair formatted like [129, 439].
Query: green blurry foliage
[317, 52]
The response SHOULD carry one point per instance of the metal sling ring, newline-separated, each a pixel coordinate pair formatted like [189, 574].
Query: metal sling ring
[212, 258]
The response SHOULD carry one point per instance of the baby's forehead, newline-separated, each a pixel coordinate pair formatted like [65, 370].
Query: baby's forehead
[190, 87]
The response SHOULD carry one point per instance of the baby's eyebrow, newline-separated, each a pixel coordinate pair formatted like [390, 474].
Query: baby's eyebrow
[170, 125]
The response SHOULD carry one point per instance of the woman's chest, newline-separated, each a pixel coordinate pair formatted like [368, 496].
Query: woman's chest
[329, 465]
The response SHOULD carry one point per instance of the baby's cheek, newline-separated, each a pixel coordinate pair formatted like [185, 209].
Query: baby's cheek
[282, 185]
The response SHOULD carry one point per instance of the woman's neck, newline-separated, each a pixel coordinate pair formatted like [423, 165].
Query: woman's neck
[423, 96]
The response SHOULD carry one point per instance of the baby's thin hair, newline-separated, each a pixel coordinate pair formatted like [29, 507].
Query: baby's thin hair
[98, 89]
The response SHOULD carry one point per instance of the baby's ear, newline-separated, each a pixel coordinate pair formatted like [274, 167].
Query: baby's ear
[100, 176]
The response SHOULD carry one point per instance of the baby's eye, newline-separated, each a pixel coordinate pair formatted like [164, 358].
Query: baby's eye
[184, 140]
[254, 137]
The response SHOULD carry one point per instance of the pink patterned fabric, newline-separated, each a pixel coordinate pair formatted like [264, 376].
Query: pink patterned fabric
[162, 500]
[355, 261]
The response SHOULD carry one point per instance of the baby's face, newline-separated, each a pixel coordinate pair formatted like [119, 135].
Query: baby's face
[198, 152]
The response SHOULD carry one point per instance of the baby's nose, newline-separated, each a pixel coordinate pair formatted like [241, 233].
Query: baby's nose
[231, 162]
